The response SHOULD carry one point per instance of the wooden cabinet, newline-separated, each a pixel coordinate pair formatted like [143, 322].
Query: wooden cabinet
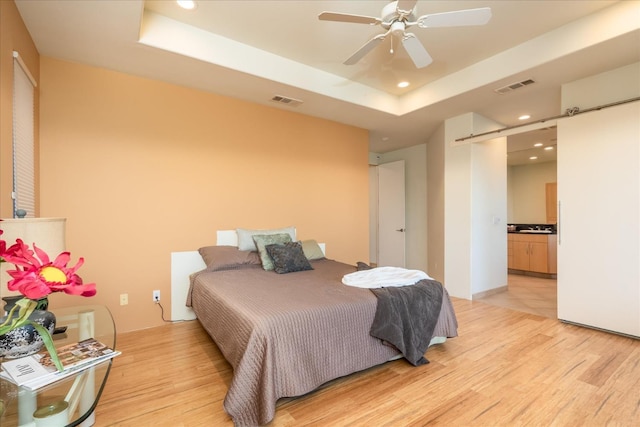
[532, 252]
[551, 194]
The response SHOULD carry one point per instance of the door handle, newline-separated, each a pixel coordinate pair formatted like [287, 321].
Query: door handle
[402, 230]
[559, 223]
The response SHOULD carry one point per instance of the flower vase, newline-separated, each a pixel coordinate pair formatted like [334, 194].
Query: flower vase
[10, 301]
[25, 340]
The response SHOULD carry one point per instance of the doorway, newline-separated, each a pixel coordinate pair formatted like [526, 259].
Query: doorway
[531, 163]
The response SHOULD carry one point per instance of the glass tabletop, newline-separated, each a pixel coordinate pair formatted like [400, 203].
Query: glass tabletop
[73, 398]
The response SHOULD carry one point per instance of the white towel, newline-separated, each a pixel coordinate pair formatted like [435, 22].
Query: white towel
[384, 277]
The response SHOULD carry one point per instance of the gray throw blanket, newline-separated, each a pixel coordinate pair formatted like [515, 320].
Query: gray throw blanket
[406, 317]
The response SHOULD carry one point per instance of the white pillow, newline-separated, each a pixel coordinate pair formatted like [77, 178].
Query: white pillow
[245, 237]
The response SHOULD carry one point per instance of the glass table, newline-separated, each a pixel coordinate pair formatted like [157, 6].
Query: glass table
[73, 398]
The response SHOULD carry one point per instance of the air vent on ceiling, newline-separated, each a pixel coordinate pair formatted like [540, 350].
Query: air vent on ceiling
[286, 100]
[513, 86]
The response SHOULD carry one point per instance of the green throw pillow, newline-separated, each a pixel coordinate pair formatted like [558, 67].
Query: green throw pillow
[262, 240]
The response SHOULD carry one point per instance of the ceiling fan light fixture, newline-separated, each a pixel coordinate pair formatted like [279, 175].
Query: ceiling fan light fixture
[397, 29]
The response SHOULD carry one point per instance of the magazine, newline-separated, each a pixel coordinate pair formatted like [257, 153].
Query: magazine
[38, 370]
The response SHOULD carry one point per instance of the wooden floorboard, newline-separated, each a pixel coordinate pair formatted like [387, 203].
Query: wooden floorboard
[507, 368]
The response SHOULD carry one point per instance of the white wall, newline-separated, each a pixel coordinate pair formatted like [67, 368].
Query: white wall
[415, 159]
[605, 88]
[457, 207]
[526, 192]
[488, 216]
[475, 208]
[373, 213]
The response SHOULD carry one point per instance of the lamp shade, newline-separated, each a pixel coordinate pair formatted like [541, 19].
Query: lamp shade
[47, 233]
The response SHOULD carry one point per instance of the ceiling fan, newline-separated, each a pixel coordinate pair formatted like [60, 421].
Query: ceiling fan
[399, 15]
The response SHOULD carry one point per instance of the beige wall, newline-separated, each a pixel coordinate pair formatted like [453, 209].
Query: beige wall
[435, 204]
[13, 36]
[527, 198]
[141, 168]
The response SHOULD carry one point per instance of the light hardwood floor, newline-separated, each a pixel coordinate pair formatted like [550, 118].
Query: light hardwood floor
[529, 294]
[506, 368]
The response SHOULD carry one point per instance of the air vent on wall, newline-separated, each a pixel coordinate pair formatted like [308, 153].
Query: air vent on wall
[286, 100]
[513, 86]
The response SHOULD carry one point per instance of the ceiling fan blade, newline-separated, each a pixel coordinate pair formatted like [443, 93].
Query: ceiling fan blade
[416, 51]
[346, 17]
[406, 6]
[456, 18]
[368, 47]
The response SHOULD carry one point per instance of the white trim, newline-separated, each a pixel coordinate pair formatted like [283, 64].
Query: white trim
[24, 67]
[183, 264]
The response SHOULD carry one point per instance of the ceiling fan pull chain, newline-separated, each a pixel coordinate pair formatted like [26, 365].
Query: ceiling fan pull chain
[391, 50]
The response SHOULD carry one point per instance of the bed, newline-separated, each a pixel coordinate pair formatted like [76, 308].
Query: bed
[287, 334]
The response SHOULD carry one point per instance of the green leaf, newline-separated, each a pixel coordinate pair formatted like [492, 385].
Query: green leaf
[26, 307]
[48, 342]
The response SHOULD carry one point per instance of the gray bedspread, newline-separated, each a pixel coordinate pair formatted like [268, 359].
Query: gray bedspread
[406, 317]
[286, 334]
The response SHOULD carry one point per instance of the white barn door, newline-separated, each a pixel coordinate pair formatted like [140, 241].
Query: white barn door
[599, 210]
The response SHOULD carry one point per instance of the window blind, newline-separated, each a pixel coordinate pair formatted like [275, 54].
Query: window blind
[23, 138]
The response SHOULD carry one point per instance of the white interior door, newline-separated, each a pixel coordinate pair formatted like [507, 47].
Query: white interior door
[599, 208]
[391, 214]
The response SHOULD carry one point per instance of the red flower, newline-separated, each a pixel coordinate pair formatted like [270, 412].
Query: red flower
[36, 276]
[3, 247]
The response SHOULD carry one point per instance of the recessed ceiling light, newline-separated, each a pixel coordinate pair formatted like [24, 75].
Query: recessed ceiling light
[533, 158]
[403, 84]
[538, 144]
[524, 117]
[549, 148]
[187, 4]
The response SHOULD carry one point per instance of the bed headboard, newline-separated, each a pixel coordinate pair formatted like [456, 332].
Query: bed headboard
[183, 264]
[226, 238]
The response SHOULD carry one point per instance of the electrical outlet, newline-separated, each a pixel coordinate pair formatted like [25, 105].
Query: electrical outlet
[156, 296]
[124, 299]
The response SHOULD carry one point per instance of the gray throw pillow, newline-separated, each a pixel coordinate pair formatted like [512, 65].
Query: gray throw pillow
[245, 236]
[312, 250]
[288, 257]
